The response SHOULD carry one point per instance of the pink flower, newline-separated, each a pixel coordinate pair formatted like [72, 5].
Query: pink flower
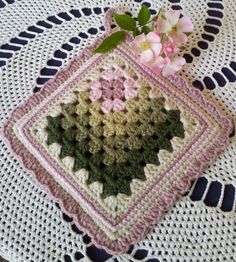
[158, 64]
[147, 46]
[172, 65]
[167, 66]
[170, 49]
[174, 26]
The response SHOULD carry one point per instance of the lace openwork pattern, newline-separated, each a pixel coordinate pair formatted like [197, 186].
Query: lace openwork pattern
[34, 228]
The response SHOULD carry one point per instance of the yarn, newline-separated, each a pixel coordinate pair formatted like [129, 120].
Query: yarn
[141, 166]
[32, 227]
[117, 144]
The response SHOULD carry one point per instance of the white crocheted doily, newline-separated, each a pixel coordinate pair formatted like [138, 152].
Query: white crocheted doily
[37, 38]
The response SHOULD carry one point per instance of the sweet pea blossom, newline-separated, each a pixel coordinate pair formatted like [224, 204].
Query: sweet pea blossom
[174, 26]
[147, 46]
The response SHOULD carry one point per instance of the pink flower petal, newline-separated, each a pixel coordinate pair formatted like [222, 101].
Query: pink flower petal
[185, 24]
[147, 56]
[156, 48]
[95, 85]
[170, 49]
[178, 62]
[95, 94]
[163, 26]
[153, 37]
[158, 64]
[130, 93]
[129, 83]
[134, 47]
[167, 71]
[172, 16]
[118, 105]
[135, 44]
[107, 106]
[173, 66]
[178, 38]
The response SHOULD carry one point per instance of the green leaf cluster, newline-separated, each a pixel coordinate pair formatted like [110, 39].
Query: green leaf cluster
[126, 22]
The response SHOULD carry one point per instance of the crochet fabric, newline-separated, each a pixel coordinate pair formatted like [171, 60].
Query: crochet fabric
[114, 144]
[37, 39]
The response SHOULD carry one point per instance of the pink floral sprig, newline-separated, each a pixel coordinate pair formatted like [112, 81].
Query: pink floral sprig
[156, 41]
[159, 49]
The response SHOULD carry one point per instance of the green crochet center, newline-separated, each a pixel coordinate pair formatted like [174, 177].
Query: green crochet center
[114, 147]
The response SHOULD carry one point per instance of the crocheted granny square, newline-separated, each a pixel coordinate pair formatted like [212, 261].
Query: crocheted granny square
[115, 144]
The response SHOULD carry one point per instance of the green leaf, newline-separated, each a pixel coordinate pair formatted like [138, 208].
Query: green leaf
[125, 22]
[144, 15]
[111, 42]
[146, 29]
[136, 32]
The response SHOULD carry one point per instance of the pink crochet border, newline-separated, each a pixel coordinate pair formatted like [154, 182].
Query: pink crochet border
[71, 207]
